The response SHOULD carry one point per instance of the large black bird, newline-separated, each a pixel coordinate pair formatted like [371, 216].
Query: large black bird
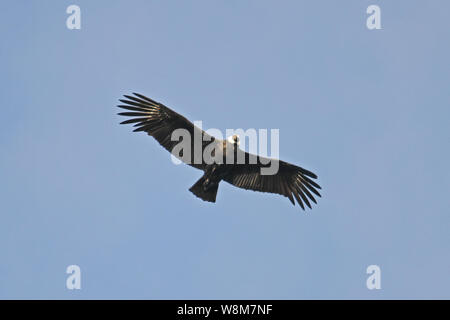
[160, 122]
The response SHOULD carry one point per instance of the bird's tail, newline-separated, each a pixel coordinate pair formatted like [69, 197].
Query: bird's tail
[208, 195]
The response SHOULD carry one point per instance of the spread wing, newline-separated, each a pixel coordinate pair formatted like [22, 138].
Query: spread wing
[160, 122]
[290, 181]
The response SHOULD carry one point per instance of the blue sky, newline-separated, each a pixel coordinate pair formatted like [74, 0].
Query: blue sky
[367, 110]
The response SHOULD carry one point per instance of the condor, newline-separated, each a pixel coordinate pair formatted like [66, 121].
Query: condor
[160, 122]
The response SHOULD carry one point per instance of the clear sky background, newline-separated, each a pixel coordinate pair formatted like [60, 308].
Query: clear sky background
[367, 110]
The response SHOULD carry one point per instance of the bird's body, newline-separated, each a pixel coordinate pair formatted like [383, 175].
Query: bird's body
[243, 170]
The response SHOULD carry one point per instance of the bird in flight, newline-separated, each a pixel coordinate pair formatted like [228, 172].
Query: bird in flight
[161, 122]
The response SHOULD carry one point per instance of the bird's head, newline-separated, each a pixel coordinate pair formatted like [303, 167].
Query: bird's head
[234, 139]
